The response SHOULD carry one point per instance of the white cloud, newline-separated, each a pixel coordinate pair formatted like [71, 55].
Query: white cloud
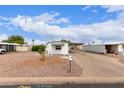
[113, 8]
[40, 26]
[5, 18]
[104, 31]
[50, 18]
[44, 25]
[86, 7]
[3, 37]
[62, 20]
[46, 17]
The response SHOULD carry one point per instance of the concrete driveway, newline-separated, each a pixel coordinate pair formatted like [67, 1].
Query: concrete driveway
[98, 65]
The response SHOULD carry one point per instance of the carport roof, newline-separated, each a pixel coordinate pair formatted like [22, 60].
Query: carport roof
[2, 43]
[108, 43]
[76, 43]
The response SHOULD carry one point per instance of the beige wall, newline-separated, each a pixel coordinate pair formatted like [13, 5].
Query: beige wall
[23, 48]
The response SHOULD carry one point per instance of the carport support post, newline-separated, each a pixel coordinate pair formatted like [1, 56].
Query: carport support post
[7, 48]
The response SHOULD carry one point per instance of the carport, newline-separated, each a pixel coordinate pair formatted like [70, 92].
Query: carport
[106, 48]
[9, 47]
[112, 49]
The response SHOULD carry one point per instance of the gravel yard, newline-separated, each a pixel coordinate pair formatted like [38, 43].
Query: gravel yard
[28, 64]
[121, 59]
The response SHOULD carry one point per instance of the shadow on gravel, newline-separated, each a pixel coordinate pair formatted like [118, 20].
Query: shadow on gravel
[66, 86]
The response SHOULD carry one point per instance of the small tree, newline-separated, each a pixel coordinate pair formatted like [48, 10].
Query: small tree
[66, 41]
[42, 52]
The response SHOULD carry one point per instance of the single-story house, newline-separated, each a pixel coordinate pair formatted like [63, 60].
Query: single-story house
[112, 48]
[57, 47]
[9, 46]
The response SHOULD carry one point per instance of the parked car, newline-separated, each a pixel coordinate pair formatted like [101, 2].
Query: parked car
[2, 51]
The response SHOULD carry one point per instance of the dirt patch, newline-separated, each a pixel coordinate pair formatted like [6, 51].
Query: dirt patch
[121, 59]
[38, 62]
[29, 64]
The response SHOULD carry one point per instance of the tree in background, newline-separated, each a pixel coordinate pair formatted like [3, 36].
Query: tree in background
[42, 52]
[15, 39]
[67, 41]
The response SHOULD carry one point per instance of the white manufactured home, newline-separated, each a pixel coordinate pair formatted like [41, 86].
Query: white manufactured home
[112, 48]
[57, 47]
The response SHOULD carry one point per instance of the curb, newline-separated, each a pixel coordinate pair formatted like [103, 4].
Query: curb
[61, 80]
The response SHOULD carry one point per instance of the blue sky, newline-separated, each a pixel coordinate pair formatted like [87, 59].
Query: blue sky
[76, 23]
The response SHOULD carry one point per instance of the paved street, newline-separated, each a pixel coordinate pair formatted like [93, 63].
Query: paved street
[98, 65]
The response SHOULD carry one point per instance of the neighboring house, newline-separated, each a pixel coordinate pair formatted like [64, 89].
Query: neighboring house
[111, 48]
[57, 47]
[8, 46]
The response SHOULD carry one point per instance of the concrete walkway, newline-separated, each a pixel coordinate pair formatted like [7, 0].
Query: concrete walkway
[98, 65]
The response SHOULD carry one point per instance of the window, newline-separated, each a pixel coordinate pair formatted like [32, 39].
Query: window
[58, 47]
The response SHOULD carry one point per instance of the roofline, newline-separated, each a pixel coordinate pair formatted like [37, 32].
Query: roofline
[105, 44]
[76, 43]
[65, 42]
[2, 43]
[54, 41]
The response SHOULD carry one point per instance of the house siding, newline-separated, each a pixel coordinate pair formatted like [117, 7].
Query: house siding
[52, 50]
[95, 48]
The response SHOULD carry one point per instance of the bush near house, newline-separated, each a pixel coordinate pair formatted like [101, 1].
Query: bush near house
[40, 49]
[42, 52]
[36, 48]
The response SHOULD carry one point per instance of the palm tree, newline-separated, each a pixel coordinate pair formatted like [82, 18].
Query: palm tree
[32, 42]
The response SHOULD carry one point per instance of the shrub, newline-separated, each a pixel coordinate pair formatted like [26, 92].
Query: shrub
[36, 48]
[42, 52]
[42, 48]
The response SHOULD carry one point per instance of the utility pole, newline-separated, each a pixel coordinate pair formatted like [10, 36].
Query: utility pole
[84, 48]
[33, 42]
